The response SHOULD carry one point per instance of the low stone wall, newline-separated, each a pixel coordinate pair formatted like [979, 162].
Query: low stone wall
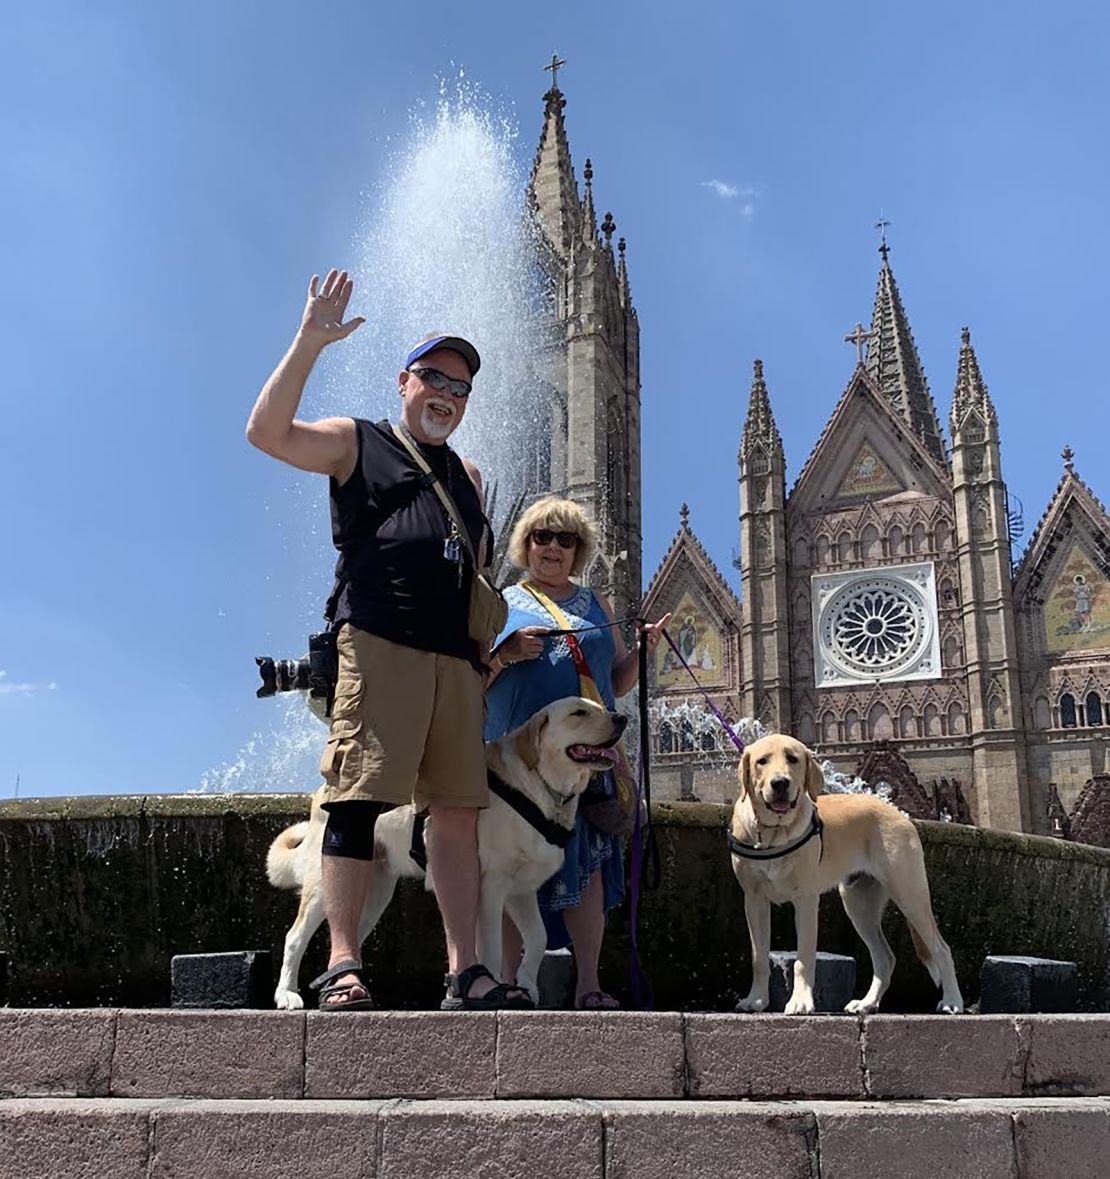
[97, 893]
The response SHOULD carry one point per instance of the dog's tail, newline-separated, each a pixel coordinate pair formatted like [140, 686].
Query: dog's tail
[282, 860]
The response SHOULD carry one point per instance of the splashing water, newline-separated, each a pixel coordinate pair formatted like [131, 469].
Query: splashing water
[445, 245]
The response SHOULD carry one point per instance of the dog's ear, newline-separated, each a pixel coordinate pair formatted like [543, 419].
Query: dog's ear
[527, 741]
[744, 774]
[815, 780]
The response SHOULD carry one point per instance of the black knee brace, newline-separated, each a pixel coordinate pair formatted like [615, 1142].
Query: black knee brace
[350, 829]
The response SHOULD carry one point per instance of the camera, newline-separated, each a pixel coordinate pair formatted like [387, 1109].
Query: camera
[314, 673]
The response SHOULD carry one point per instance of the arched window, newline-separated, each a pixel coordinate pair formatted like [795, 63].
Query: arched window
[896, 541]
[805, 729]
[907, 722]
[687, 736]
[1067, 711]
[869, 543]
[956, 724]
[822, 550]
[708, 741]
[917, 543]
[844, 545]
[1094, 708]
[932, 721]
[1042, 714]
[951, 651]
[851, 725]
[996, 712]
[941, 533]
[879, 727]
[828, 727]
[666, 737]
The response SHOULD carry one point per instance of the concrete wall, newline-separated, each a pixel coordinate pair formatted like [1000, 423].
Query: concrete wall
[96, 895]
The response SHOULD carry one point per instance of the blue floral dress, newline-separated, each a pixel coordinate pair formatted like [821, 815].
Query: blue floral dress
[525, 687]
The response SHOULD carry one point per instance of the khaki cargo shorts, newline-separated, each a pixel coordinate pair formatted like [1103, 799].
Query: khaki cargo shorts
[406, 726]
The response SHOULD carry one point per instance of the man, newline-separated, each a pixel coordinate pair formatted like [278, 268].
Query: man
[407, 719]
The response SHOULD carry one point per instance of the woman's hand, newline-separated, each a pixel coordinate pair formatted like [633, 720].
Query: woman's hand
[651, 632]
[526, 643]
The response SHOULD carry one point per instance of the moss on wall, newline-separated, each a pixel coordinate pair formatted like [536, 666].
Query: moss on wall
[96, 895]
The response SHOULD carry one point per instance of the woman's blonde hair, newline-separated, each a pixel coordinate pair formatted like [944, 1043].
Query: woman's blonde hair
[560, 515]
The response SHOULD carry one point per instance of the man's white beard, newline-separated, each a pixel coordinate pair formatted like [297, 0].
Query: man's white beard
[434, 425]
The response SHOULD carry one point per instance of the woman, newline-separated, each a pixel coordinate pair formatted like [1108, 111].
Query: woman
[552, 541]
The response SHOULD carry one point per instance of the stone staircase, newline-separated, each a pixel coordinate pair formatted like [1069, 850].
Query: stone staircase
[155, 1094]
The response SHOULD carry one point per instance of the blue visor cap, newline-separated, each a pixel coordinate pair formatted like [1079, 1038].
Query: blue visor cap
[454, 344]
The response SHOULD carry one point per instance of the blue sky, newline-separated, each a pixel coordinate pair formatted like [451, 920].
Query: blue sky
[174, 173]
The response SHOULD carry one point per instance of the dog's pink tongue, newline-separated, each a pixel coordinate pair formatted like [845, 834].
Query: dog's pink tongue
[780, 806]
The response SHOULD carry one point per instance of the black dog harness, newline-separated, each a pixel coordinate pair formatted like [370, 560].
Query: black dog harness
[749, 851]
[554, 833]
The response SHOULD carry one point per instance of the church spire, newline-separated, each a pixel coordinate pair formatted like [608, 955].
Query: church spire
[759, 425]
[971, 391]
[622, 275]
[589, 216]
[894, 366]
[553, 190]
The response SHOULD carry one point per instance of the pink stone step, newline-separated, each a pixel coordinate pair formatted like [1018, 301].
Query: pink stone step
[288, 1055]
[115, 1138]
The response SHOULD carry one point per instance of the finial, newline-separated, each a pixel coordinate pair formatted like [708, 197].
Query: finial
[859, 337]
[684, 515]
[607, 227]
[881, 226]
[965, 336]
[758, 366]
[553, 66]
[620, 247]
[588, 172]
[1067, 454]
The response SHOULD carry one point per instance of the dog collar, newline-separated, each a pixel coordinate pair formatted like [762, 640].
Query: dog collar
[555, 833]
[749, 851]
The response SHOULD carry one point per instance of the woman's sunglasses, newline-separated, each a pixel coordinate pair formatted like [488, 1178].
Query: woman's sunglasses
[544, 536]
[441, 381]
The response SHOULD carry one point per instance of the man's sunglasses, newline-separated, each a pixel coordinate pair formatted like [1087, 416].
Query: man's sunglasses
[544, 536]
[441, 381]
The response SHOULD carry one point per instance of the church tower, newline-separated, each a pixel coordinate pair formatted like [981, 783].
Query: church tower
[990, 645]
[764, 634]
[592, 361]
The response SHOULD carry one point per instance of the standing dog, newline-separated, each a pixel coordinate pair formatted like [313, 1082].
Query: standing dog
[549, 760]
[788, 844]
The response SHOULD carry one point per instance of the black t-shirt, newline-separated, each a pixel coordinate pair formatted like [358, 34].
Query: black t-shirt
[393, 578]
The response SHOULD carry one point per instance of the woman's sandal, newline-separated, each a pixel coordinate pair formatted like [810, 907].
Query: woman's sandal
[327, 987]
[597, 1001]
[497, 998]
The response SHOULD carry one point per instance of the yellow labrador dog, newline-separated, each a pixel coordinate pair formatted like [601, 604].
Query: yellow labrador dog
[788, 844]
[549, 761]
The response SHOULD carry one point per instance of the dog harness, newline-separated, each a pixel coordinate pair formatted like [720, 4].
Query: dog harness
[749, 851]
[554, 833]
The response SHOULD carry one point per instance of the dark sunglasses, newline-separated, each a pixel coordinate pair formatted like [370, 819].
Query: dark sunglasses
[544, 536]
[441, 381]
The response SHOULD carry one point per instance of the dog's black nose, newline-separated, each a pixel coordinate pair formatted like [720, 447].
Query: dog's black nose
[620, 721]
[780, 783]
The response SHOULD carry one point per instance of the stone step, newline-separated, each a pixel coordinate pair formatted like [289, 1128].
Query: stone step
[547, 1054]
[115, 1138]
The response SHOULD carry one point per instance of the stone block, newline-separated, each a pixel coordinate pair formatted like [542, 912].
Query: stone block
[209, 1054]
[275, 1139]
[1023, 985]
[1063, 1137]
[244, 978]
[833, 987]
[556, 980]
[75, 1138]
[1068, 1055]
[942, 1056]
[590, 1054]
[400, 1054]
[916, 1141]
[764, 1056]
[56, 1053]
[490, 1140]
[709, 1139]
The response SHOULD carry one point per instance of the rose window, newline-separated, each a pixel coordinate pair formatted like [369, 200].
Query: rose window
[875, 628]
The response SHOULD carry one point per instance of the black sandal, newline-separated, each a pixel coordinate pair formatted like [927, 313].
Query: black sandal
[327, 987]
[497, 998]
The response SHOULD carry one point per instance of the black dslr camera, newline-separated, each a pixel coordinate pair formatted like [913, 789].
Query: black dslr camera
[315, 673]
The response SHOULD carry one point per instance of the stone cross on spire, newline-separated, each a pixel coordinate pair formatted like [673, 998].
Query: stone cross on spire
[859, 337]
[881, 226]
[553, 66]
[1068, 455]
[684, 515]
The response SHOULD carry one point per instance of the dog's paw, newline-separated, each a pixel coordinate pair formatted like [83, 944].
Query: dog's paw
[861, 1007]
[288, 1001]
[799, 1004]
[753, 1003]
[950, 1007]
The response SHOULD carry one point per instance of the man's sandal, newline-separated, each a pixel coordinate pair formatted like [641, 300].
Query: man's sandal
[497, 998]
[597, 1001]
[327, 987]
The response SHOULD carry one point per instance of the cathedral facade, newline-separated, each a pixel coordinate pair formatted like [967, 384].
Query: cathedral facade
[882, 617]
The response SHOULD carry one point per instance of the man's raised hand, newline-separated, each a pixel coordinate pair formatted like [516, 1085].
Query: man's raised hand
[324, 310]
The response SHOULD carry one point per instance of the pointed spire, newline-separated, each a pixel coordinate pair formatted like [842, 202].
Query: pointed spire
[894, 366]
[622, 275]
[589, 217]
[971, 390]
[553, 190]
[608, 228]
[759, 425]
